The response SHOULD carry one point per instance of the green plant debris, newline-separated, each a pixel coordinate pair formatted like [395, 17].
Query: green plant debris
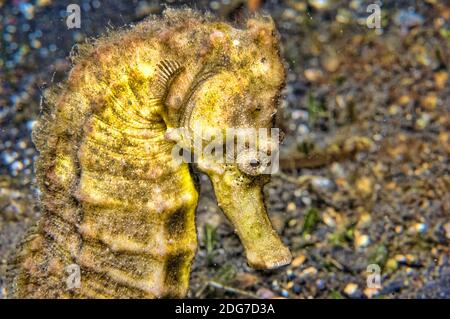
[379, 255]
[336, 295]
[311, 220]
[315, 107]
[210, 242]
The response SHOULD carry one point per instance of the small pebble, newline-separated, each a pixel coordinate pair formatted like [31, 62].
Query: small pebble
[418, 228]
[330, 63]
[408, 19]
[43, 3]
[302, 129]
[328, 220]
[308, 272]
[297, 288]
[322, 183]
[275, 285]
[391, 264]
[371, 292]
[409, 271]
[313, 75]
[412, 260]
[306, 200]
[319, 4]
[364, 185]
[351, 290]
[298, 261]
[215, 5]
[361, 240]
[96, 4]
[9, 158]
[290, 274]
[401, 259]
[320, 283]
[300, 115]
[265, 293]
[292, 222]
[291, 207]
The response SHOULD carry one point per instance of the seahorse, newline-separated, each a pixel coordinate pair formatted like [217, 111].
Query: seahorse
[115, 205]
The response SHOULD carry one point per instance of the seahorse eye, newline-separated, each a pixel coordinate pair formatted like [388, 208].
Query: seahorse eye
[252, 162]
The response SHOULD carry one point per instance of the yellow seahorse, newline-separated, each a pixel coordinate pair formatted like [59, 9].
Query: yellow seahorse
[116, 206]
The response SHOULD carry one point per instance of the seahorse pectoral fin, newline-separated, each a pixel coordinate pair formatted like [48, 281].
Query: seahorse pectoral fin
[244, 206]
[167, 71]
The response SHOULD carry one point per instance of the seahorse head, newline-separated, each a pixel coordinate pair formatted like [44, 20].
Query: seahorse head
[228, 115]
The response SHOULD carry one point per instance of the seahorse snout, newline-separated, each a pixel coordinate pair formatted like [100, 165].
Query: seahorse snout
[243, 204]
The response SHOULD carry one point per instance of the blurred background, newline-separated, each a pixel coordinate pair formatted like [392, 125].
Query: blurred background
[363, 191]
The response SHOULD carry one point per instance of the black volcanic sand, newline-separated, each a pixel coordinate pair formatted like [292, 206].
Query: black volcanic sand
[365, 160]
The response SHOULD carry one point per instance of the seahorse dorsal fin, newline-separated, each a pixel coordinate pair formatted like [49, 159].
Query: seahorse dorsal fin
[167, 70]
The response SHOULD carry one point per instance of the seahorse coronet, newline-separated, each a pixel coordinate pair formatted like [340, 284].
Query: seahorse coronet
[114, 202]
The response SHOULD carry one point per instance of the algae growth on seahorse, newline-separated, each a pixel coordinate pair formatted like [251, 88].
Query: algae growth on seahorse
[114, 202]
